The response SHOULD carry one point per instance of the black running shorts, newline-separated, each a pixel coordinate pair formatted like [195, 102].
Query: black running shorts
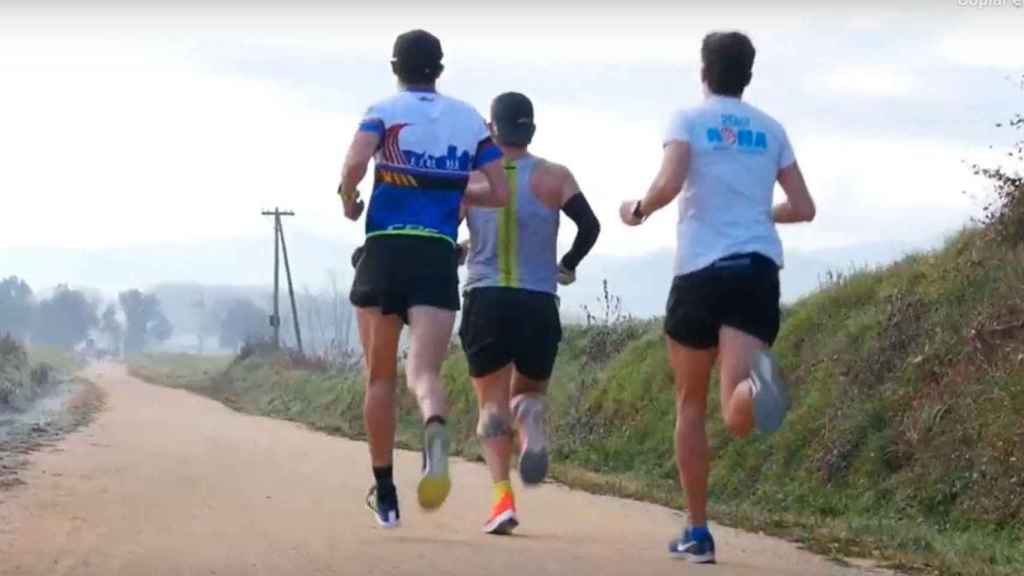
[502, 326]
[398, 272]
[739, 291]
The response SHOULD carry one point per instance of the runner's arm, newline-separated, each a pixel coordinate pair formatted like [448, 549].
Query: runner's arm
[495, 194]
[798, 206]
[476, 187]
[362, 149]
[588, 228]
[675, 164]
[478, 182]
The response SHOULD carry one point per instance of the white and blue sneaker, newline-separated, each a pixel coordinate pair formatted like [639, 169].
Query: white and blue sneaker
[384, 505]
[771, 400]
[695, 550]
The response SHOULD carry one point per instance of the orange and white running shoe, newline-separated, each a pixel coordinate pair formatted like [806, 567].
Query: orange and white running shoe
[503, 516]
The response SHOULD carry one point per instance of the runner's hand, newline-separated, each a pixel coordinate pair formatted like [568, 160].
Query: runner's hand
[462, 252]
[353, 210]
[565, 276]
[353, 205]
[627, 215]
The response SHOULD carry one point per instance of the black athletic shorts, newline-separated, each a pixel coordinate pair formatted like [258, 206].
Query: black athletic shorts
[398, 272]
[502, 326]
[739, 291]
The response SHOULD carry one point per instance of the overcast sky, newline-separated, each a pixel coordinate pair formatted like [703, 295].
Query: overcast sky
[180, 121]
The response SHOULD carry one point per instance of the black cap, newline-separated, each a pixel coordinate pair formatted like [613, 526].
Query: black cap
[417, 55]
[512, 115]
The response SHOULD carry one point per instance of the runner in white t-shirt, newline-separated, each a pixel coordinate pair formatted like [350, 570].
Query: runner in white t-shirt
[724, 302]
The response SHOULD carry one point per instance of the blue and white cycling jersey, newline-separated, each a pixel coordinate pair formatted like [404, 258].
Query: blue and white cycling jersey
[429, 145]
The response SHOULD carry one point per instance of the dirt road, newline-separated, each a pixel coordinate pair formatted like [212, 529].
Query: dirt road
[166, 482]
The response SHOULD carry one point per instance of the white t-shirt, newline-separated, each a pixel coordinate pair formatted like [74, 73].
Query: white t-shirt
[736, 152]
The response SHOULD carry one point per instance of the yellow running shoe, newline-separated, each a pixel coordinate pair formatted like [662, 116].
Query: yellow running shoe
[435, 484]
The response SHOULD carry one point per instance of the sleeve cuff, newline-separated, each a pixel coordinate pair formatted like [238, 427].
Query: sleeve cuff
[374, 125]
[486, 152]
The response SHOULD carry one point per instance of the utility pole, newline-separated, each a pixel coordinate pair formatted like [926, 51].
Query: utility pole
[200, 306]
[291, 289]
[279, 245]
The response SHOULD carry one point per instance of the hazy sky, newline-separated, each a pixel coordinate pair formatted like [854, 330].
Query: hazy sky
[181, 121]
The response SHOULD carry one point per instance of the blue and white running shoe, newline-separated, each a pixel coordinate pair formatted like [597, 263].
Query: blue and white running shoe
[692, 550]
[384, 505]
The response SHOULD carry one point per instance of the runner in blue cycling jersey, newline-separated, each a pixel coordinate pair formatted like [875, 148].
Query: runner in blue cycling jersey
[424, 145]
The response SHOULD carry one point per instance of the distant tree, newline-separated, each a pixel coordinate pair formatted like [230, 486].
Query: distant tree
[111, 327]
[145, 322]
[64, 319]
[242, 321]
[16, 307]
[327, 321]
[161, 329]
[208, 320]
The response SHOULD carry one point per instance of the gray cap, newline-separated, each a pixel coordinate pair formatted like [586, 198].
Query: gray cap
[512, 115]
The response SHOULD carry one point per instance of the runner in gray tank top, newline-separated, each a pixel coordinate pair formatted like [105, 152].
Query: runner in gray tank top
[515, 247]
[510, 326]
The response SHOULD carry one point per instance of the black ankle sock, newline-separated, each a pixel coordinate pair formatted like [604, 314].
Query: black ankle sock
[384, 476]
[435, 418]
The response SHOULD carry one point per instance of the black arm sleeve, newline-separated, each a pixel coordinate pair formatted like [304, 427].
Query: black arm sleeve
[587, 230]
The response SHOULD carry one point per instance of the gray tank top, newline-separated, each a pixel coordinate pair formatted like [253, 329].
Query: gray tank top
[515, 246]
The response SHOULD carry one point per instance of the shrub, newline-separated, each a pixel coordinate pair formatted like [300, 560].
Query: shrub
[14, 370]
[1003, 216]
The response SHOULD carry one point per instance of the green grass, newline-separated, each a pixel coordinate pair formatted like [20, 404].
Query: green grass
[905, 442]
[27, 374]
[63, 360]
[326, 401]
[187, 371]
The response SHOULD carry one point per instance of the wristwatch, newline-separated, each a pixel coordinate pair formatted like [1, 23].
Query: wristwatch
[355, 195]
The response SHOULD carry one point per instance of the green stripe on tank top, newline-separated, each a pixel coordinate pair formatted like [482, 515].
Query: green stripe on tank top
[508, 258]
